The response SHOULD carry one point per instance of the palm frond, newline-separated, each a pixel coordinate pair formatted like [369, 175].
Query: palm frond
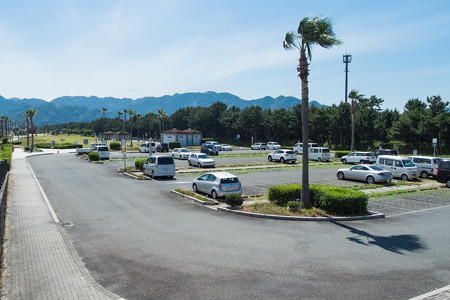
[289, 42]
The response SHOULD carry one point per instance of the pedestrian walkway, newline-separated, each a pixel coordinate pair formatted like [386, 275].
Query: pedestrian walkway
[40, 261]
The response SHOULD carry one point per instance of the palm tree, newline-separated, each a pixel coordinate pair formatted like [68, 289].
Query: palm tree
[131, 113]
[104, 109]
[125, 115]
[355, 96]
[310, 32]
[120, 114]
[30, 115]
[161, 115]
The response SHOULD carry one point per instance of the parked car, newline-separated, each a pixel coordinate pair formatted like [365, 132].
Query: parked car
[282, 155]
[157, 166]
[201, 160]
[319, 154]
[273, 146]
[163, 147]
[103, 151]
[181, 153]
[218, 147]
[209, 149]
[367, 173]
[425, 165]
[359, 158]
[400, 167]
[145, 148]
[259, 146]
[298, 148]
[443, 174]
[218, 184]
[226, 147]
[378, 152]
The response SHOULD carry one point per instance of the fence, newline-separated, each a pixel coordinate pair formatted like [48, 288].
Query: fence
[3, 194]
[3, 171]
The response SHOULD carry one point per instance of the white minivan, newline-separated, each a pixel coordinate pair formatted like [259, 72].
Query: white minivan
[400, 167]
[158, 166]
[102, 150]
[298, 148]
[426, 165]
[319, 154]
[145, 147]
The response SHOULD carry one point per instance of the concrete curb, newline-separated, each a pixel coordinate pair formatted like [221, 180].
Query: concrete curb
[373, 216]
[212, 202]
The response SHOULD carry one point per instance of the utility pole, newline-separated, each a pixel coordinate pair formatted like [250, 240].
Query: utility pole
[347, 59]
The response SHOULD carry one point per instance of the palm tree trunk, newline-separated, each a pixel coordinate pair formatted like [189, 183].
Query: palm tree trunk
[303, 74]
[352, 146]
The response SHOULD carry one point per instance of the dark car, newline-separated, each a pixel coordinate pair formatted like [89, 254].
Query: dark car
[443, 173]
[385, 152]
[209, 149]
[163, 147]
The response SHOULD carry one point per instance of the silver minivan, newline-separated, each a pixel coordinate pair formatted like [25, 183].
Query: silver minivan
[158, 166]
[426, 165]
[400, 167]
[319, 154]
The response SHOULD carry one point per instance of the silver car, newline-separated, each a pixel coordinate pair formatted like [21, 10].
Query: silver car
[359, 158]
[283, 155]
[181, 153]
[367, 173]
[218, 184]
[201, 160]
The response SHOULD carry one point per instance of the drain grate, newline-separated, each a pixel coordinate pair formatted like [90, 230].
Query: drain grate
[67, 224]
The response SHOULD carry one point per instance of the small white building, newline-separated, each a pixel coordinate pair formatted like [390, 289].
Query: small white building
[188, 137]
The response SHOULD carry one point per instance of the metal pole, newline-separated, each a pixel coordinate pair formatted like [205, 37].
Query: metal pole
[347, 58]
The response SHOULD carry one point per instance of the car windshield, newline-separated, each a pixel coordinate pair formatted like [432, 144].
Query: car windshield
[376, 168]
[184, 150]
[211, 146]
[229, 180]
[203, 156]
[165, 160]
[408, 163]
[224, 145]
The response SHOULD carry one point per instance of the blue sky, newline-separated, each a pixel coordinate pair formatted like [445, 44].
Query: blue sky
[133, 49]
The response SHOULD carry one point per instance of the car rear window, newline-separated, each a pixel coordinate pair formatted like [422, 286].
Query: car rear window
[102, 148]
[290, 152]
[165, 160]
[229, 180]
[445, 164]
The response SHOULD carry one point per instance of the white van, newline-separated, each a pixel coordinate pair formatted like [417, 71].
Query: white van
[157, 166]
[298, 148]
[400, 167]
[102, 150]
[319, 154]
[426, 165]
[145, 147]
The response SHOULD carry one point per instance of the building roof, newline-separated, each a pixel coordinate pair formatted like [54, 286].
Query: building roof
[181, 131]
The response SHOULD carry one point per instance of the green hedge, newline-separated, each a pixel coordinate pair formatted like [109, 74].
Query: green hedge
[234, 200]
[139, 164]
[115, 146]
[173, 145]
[93, 156]
[339, 154]
[335, 200]
[6, 151]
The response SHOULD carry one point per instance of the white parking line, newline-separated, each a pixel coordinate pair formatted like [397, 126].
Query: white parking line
[179, 182]
[417, 211]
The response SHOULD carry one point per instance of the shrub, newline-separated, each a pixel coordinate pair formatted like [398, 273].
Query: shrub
[139, 164]
[234, 200]
[94, 156]
[343, 201]
[294, 205]
[339, 154]
[174, 145]
[17, 142]
[282, 194]
[43, 145]
[6, 151]
[115, 146]
[67, 146]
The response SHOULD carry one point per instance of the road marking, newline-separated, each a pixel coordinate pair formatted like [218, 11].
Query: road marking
[417, 211]
[52, 212]
[179, 182]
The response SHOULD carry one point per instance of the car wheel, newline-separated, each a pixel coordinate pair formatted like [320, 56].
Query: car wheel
[214, 194]
[344, 161]
[282, 160]
[404, 177]
[153, 174]
[199, 165]
[189, 163]
[194, 188]
[424, 174]
[319, 159]
[340, 176]
[447, 183]
[370, 180]
[361, 161]
[269, 158]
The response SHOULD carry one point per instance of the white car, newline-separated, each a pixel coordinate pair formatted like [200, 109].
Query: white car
[201, 160]
[259, 146]
[273, 146]
[359, 158]
[181, 153]
[217, 184]
[145, 147]
[283, 155]
[226, 147]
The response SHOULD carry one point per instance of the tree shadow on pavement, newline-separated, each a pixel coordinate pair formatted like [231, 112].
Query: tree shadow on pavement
[394, 243]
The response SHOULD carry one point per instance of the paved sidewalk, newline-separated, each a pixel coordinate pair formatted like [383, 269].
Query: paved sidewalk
[40, 261]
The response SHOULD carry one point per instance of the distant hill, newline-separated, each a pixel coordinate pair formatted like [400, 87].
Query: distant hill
[85, 109]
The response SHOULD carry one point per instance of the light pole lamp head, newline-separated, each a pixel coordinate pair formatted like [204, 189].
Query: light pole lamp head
[347, 58]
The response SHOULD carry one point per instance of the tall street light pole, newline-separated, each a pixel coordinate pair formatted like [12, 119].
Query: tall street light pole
[347, 59]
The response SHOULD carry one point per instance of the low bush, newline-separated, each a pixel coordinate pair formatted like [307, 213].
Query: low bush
[17, 142]
[234, 200]
[339, 154]
[173, 145]
[139, 164]
[115, 146]
[282, 194]
[6, 151]
[94, 156]
[67, 146]
[43, 145]
[294, 205]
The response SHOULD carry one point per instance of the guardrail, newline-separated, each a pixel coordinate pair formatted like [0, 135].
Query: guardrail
[3, 194]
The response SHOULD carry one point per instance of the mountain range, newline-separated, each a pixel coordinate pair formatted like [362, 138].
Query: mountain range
[85, 109]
